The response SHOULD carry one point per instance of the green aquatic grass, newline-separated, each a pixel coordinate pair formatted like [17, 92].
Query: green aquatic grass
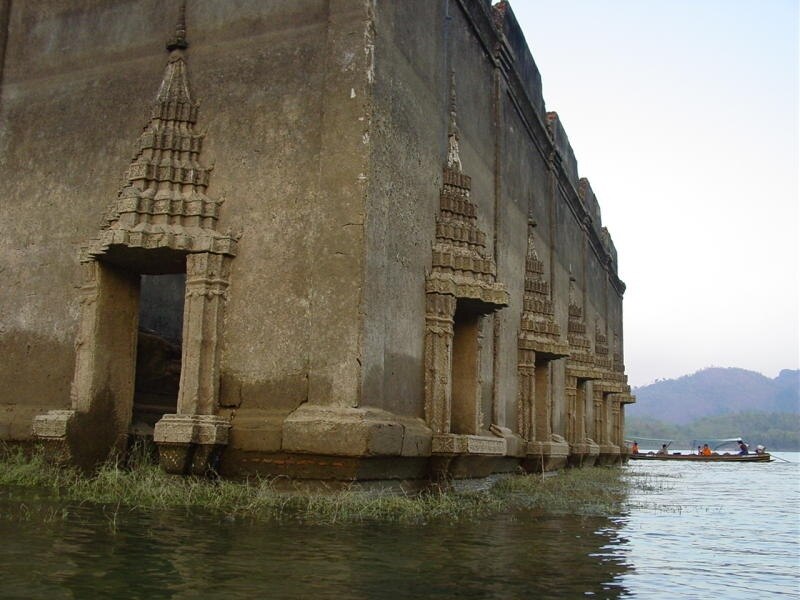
[137, 484]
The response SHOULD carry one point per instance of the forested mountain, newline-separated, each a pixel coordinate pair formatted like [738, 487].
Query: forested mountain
[716, 391]
[717, 402]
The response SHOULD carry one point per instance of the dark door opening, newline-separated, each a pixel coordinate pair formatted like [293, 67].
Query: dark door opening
[158, 350]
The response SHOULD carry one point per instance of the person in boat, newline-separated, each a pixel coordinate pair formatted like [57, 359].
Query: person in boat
[635, 448]
[706, 451]
[760, 449]
[743, 449]
[699, 451]
[663, 451]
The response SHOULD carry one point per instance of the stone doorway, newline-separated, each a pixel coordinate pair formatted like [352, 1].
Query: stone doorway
[162, 223]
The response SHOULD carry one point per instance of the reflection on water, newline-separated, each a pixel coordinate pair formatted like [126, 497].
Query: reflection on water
[707, 531]
[175, 555]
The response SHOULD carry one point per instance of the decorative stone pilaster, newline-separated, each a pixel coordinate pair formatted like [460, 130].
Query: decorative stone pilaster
[438, 354]
[207, 279]
[85, 353]
[526, 373]
[609, 452]
[185, 438]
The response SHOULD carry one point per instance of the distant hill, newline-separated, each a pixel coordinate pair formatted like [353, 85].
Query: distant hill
[716, 391]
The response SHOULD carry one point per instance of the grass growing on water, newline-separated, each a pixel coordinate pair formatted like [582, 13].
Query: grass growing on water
[140, 485]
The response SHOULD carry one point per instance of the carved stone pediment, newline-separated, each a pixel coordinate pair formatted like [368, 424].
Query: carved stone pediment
[162, 203]
[461, 266]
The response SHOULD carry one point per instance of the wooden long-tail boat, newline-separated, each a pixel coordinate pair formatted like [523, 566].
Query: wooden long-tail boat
[760, 455]
[763, 457]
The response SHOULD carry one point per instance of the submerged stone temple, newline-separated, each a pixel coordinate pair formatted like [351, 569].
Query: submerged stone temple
[335, 239]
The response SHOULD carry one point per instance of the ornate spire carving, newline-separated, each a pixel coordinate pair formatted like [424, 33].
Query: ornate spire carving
[163, 202]
[178, 41]
[538, 330]
[453, 151]
[615, 381]
[461, 265]
[601, 358]
[581, 362]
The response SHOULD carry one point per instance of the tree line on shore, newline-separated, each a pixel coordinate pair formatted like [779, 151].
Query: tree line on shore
[776, 431]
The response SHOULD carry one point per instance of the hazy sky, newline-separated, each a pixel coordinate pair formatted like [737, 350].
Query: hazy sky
[683, 114]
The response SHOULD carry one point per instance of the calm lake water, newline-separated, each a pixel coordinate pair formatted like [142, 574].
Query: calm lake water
[708, 531]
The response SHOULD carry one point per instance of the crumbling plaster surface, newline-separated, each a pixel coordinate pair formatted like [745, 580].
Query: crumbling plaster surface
[511, 168]
[276, 104]
[326, 125]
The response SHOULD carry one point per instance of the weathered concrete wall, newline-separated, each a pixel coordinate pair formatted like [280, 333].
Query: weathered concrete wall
[522, 166]
[327, 126]
[274, 81]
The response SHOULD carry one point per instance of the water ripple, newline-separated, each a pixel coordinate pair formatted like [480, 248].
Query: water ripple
[701, 531]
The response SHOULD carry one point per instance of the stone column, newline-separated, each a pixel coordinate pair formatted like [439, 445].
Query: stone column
[439, 315]
[608, 411]
[542, 418]
[206, 288]
[571, 392]
[192, 440]
[526, 368]
[616, 432]
[598, 434]
[581, 399]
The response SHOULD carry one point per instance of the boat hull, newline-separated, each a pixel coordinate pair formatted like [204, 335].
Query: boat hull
[713, 458]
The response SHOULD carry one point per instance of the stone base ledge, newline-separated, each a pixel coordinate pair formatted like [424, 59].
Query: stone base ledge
[609, 455]
[294, 469]
[585, 447]
[609, 449]
[345, 431]
[53, 424]
[211, 430]
[552, 448]
[583, 454]
[77, 438]
[191, 444]
[546, 456]
[515, 444]
[455, 443]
